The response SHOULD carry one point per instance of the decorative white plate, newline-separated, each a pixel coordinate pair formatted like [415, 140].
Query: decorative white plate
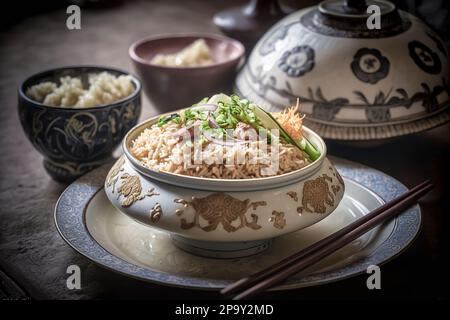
[92, 226]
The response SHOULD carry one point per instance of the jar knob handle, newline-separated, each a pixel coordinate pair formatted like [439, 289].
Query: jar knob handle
[356, 5]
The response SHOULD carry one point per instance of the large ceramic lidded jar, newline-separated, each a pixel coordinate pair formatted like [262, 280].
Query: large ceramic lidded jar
[354, 83]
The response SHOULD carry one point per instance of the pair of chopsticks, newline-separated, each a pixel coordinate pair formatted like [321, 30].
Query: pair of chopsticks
[250, 286]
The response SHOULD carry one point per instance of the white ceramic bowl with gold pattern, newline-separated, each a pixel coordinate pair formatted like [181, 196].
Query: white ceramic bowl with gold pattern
[222, 215]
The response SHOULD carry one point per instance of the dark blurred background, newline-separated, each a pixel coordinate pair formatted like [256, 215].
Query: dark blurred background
[436, 13]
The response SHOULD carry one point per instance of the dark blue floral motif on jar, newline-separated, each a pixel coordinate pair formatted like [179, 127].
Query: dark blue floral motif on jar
[378, 114]
[369, 65]
[297, 61]
[425, 58]
[324, 111]
[439, 44]
[269, 44]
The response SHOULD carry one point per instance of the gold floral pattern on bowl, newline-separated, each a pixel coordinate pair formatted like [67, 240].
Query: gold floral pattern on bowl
[113, 174]
[278, 219]
[293, 195]
[156, 213]
[317, 195]
[221, 208]
[131, 189]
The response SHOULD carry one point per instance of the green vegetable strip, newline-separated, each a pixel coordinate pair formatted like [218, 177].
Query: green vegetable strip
[173, 117]
[303, 144]
[310, 150]
[232, 110]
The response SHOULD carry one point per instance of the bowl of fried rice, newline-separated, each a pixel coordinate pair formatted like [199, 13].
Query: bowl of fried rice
[224, 176]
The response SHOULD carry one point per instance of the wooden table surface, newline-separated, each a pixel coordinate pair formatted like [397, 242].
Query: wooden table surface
[34, 258]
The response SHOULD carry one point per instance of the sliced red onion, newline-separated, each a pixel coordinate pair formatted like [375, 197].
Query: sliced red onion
[206, 107]
[222, 142]
[181, 132]
[186, 129]
[212, 123]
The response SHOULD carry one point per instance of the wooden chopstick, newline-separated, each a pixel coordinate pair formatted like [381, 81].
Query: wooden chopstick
[247, 281]
[310, 255]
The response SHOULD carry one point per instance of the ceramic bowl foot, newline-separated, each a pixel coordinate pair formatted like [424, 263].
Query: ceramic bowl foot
[221, 250]
[67, 171]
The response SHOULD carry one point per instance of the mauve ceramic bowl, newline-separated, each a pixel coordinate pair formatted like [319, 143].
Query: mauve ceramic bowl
[170, 87]
[73, 141]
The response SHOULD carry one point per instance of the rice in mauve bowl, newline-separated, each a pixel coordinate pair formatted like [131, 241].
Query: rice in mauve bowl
[224, 177]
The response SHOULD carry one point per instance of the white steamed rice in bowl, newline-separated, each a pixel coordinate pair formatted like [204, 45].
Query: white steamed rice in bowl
[103, 88]
[219, 138]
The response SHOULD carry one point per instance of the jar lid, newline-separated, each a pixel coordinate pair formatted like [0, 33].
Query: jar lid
[354, 82]
[354, 8]
[349, 18]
